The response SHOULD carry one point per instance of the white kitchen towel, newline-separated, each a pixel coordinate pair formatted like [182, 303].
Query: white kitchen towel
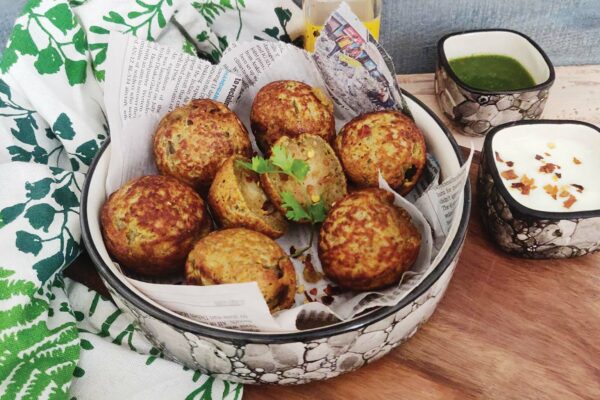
[57, 338]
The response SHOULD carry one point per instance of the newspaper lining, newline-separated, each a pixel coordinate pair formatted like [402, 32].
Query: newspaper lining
[146, 80]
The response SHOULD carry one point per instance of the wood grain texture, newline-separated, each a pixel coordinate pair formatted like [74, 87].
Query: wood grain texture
[508, 328]
[575, 95]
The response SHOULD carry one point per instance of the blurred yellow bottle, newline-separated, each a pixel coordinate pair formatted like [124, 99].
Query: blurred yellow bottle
[317, 11]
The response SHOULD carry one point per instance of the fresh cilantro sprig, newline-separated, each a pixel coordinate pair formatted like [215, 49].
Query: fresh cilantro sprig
[259, 165]
[314, 213]
[288, 164]
[279, 162]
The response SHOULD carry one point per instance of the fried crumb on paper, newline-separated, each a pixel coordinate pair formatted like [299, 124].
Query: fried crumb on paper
[310, 274]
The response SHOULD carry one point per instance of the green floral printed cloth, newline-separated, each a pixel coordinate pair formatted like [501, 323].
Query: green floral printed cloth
[57, 338]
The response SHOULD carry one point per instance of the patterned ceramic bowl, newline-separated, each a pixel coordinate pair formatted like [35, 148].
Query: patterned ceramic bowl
[561, 164]
[291, 358]
[477, 111]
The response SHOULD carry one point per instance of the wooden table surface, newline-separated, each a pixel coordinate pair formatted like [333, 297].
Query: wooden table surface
[508, 328]
[574, 95]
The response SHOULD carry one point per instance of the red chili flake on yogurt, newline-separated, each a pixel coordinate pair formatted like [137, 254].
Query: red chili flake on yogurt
[570, 201]
[579, 188]
[510, 163]
[576, 161]
[552, 190]
[525, 186]
[558, 175]
[564, 193]
[313, 291]
[538, 157]
[498, 158]
[509, 175]
[517, 185]
[548, 168]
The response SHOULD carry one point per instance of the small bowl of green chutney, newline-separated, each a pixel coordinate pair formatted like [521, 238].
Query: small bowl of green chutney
[485, 78]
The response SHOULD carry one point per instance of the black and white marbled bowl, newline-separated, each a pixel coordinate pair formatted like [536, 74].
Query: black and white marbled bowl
[530, 233]
[283, 358]
[477, 111]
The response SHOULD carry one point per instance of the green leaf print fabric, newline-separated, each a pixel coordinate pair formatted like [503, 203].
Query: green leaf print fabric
[58, 339]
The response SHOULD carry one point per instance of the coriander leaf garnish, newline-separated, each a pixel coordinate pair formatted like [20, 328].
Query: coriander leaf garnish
[280, 162]
[317, 212]
[295, 211]
[259, 165]
[299, 170]
[281, 158]
[289, 165]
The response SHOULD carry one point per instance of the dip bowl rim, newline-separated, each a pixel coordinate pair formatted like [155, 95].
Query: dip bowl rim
[446, 64]
[489, 159]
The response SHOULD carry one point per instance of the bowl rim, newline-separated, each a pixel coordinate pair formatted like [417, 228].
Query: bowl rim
[446, 64]
[273, 338]
[510, 200]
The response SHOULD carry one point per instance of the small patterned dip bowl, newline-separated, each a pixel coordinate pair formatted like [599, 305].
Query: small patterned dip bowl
[284, 358]
[477, 111]
[539, 190]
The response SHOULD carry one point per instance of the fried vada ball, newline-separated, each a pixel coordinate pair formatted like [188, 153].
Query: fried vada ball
[366, 242]
[325, 180]
[240, 255]
[192, 142]
[386, 141]
[238, 200]
[290, 108]
[151, 223]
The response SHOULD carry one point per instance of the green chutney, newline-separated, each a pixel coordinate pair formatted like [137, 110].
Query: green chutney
[492, 72]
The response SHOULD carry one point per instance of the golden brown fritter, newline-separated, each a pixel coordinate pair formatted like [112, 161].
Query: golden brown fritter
[383, 140]
[366, 242]
[290, 108]
[192, 141]
[151, 223]
[238, 200]
[240, 255]
[325, 179]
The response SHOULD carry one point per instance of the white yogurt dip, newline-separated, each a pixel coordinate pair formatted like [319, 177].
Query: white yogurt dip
[569, 158]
